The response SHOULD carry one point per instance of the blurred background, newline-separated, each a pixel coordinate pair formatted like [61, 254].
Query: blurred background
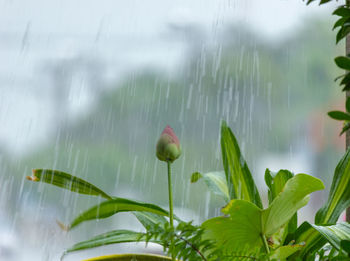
[88, 86]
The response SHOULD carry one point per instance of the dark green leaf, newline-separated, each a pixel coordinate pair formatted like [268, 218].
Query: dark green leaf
[239, 179]
[113, 206]
[346, 79]
[347, 87]
[343, 32]
[345, 128]
[342, 62]
[340, 22]
[339, 194]
[342, 11]
[339, 115]
[347, 104]
[66, 181]
[345, 245]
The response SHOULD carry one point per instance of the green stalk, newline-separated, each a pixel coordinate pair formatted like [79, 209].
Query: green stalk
[267, 249]
[171, 214]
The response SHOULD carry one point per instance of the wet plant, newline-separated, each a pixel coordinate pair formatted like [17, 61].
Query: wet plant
[246, 231]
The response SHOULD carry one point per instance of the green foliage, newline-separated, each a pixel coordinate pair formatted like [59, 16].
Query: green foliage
[249, 226]
[247, 232]
[113, 206]
[238, 177]
[66, 181]
[216, 182]
[339, 194]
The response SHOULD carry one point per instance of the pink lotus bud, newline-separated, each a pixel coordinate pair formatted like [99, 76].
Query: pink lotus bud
[168, 146]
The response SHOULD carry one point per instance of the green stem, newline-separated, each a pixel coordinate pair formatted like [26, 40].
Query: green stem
[267, 249]
[171, 214]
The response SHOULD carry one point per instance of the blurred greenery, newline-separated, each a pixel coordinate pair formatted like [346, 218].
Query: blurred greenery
[271, 93]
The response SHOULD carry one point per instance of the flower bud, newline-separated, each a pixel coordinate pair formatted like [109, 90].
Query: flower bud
[168, 146]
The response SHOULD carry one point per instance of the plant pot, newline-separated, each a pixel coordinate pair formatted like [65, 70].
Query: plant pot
[130, 257]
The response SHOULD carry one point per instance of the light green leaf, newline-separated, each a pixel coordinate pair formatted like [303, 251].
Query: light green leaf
[130, 257]
[248, 224]
[339, 194]
[66, 181]
[216, 182]
[276, 183]
[241, 229]
[239, 179]
[283, 252]
[113, 206]
[295, 195]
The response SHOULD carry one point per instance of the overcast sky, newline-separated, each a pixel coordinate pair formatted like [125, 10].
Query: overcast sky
[35, 32]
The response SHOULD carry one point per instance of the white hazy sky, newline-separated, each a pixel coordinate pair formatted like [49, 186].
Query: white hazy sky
[34, 32]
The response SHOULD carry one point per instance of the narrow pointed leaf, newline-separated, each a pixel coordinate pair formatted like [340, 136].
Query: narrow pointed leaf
[113, 206]
[216, 182]
[276, 183]
[130, 257]
[339, 193]
[112, 237]
[239, 179]
[315, 237]
[148, 219]
[66, 181]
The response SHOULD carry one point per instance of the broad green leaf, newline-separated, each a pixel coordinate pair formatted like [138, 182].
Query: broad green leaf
[339, 115]
[66, 181]
[113, 206]
[130, 257]
[216, 182]
[339, 194]
[247, 223]
[295, 195]
[112, 237]
[342, 62]
[243, 228]
[239, 179]
[281, 253]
